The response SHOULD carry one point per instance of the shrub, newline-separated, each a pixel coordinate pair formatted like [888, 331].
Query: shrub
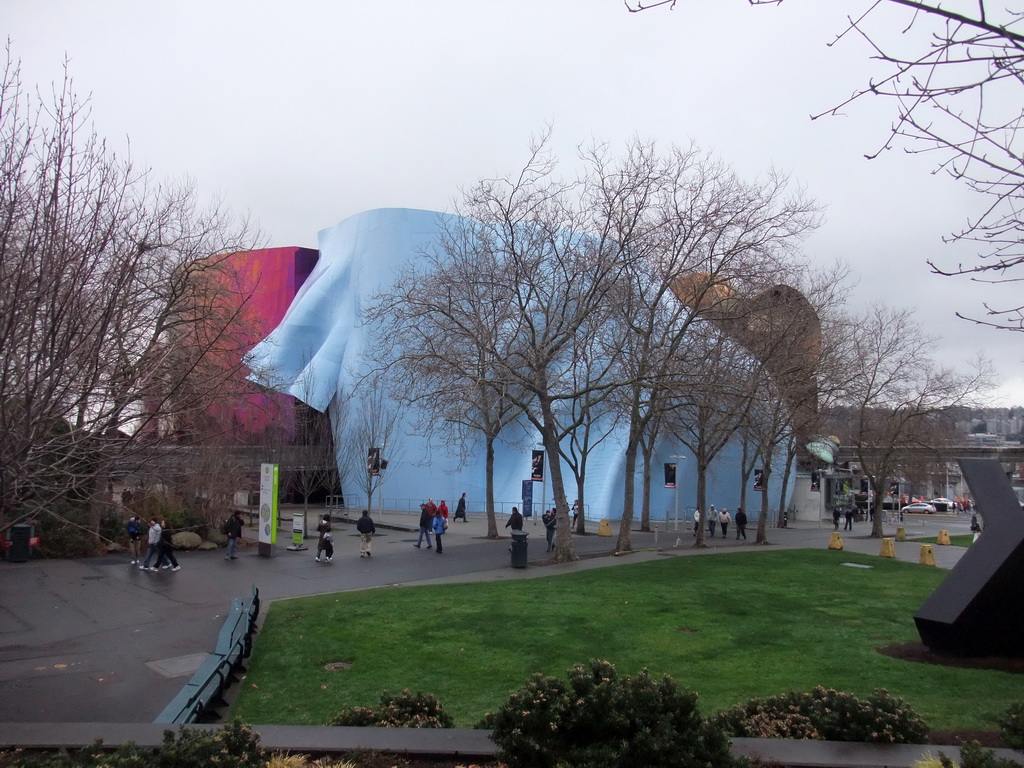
[233, 746]
[826, 714]
[402, 710]
[598, 719]
[973, 755]
[1011, 727]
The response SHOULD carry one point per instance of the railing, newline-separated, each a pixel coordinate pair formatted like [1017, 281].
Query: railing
[390, 504]
[216, 673]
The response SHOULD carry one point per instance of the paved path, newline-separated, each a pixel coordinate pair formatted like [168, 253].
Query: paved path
[98, 641]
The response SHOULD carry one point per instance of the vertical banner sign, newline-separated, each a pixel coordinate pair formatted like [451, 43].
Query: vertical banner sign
[670, 475]
[537, 471]
[815, 482]
[373, 461]
[268, 508]
[527, 508]
[865, 487]
[758, 479]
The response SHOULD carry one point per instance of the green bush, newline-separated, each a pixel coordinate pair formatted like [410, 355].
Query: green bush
[233, 746]
[973, 755]
[599, 720]
[402, 710]
[65, 533]
[826, 714]
[1011, 727]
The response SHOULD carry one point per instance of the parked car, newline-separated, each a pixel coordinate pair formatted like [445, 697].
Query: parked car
[919, 508]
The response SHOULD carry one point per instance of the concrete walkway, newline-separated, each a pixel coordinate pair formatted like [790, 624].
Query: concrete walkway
[99, 641]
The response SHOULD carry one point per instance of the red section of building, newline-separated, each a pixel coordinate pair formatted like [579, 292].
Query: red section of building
[266, 282]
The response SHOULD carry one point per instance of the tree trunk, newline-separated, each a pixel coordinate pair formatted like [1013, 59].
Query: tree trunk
[762, 520]
[645, 510]
[624, 543]
[565, 550]
[492, 523]
[877, 518]
[790, 455]
[702, 502]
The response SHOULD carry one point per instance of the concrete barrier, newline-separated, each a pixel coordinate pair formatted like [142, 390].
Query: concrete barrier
[943, 538]
[835, 541]
[901, 534]
[927, 556]
[604, 528]
[888, 548]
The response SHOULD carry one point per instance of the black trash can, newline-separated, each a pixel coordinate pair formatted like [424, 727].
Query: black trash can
[19, 547]
[519, 549]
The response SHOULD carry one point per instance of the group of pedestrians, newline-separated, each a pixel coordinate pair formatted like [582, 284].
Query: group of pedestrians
[721, 521]
[434, 520]
[325, 542]
[159, 545]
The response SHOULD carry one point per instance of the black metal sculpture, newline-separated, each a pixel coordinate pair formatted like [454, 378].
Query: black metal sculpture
[978, 610]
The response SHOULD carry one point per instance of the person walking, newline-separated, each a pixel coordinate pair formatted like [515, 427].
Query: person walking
[549, 518]
[696, 521]
[366, 530]
[575, 512]
[233, 529]
[426, 521]
[460, 509]
[712, 519]
[439, 527]
[165, 549]
[515, 522]
[741, 524]
[153, 541]
[836, 512]
[325, 543]
[849, 519]
[723, 522]
[442, 509]
[134, 529]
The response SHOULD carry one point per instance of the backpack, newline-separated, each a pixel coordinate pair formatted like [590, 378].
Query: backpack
[224, 526]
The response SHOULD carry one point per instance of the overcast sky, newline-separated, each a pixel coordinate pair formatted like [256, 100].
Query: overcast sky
[304, 113]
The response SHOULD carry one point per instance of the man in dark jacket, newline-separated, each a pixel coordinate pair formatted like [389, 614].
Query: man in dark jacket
[233, 530]
[366, 530]
[515, 522]
[425, 522]
[741, 524]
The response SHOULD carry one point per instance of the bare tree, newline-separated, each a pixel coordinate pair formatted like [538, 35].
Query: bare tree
[369, 438]
[710, 409]
[955, 77]
[898, 396]
[110, 329]
[708, 238]
[435, 336]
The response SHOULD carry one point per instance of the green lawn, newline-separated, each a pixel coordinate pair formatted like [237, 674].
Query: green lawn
[729, 627]
[960, 540]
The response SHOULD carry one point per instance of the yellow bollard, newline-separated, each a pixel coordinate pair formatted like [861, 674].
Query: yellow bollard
[943, 538]
[835, 541]
[901, 534]
[927, 556]
[604, 528]
[888, 548]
